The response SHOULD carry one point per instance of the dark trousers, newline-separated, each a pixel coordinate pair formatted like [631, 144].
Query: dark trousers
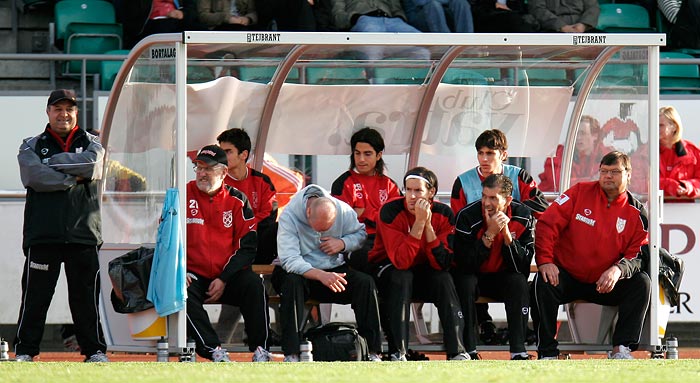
[245, 290]
[399, 287]
[632, 297]
[510, 288]
[42, 267]
[294, 290]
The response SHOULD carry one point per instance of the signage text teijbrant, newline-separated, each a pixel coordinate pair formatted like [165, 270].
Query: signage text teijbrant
[263, 37]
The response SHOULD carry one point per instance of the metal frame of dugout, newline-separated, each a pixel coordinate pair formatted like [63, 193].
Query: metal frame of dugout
[176, 92]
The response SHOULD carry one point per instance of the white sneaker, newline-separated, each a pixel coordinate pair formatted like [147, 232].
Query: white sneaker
[622, 353]
[98, 357]
[24, 358]
[292, 358]
[398, 357]
[261, 355]
[374, 357]
[219, 355]
[461, 356]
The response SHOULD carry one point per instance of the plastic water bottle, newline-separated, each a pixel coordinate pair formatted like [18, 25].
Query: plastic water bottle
[672, 348]
[306, 355]
[4, 349]
[163, 354]
[188, 354]
[191, 348]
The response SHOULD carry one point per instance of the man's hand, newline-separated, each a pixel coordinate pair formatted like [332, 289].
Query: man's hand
[331, 245]
[334, 281]
[502, 6]
[359, 210]
[550, 273]
[606, 282]
[497, 222]
[216, 289]
[176, 14]
[423, 210]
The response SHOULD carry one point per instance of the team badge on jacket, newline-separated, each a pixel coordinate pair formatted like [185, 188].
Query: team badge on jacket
[621, 224]
[228, 218]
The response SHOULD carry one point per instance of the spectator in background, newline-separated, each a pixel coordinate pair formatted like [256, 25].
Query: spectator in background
[439, 15]
[566, 16]
[588, 246]
[227, 15]
[289, 15]
[501, 16]
[365, 187]
[679, 159]
[684, 16]
[584, 166]
[141, 18]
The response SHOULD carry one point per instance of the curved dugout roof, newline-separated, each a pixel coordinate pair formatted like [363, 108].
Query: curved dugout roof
[429, 94]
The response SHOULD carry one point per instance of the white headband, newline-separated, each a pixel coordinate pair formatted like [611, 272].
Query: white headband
[416, 177]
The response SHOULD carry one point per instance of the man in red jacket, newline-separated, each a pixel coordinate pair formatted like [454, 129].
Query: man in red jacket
[221, 244]
[587, 246]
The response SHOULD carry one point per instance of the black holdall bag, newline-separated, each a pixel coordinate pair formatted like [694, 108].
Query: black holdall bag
[130, 274]
[337, 342]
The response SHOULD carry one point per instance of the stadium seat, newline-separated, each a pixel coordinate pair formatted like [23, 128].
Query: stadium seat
[406, 76]
[263, 74]
[336, 75]
[544, 77]
[109, 69]
[623, 18]
[81, 11]
[461, 76]
[678, 78]
[91, 38]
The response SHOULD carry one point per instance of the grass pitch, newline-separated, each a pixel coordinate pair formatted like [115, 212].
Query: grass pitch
[592, 370]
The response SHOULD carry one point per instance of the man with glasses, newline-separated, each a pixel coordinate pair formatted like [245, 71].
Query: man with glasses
[587, 246]
[221, 247]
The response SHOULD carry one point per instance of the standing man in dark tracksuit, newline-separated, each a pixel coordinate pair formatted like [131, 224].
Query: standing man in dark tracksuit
[60, 169]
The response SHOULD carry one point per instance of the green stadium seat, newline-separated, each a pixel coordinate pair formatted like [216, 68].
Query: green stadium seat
[624, 18]
[263, 74]
[86, 27]
[109, 69]
[406, 76]
[91, 38]
[81, 11]
[678, 78]
[336, 75]
[544, 77]
[461, 76]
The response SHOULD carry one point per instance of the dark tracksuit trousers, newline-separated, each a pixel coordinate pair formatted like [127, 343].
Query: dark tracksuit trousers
[510, 288]
[42, 267]
[245, 290]
[399, 287]
[632, 297]
[294, 290]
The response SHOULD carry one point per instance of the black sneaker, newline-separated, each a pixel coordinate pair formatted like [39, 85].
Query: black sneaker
[522, 356]
[475, 356]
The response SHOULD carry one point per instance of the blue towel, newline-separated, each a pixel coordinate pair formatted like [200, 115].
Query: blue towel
[167, 288]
